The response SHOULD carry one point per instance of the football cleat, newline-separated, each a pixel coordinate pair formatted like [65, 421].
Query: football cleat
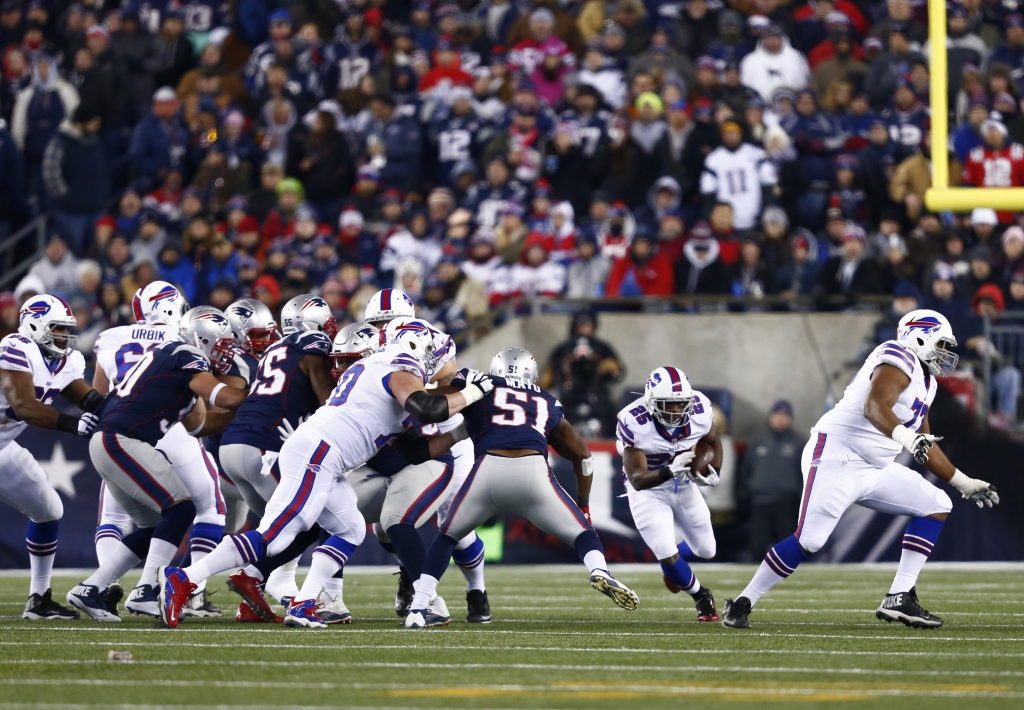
[284, 591]
[92, 601]
[672, 587]
[736, 613]
[174, 589]
[479, 607]
[199, 606]
[705, 602]
[422, 618]
[403, 597]
[248, 587]
[904, 607]
[623, 596]
[115, 593]
[41, 607]
[304, 614]
[144, 600]
[333, 610]
[246, 614]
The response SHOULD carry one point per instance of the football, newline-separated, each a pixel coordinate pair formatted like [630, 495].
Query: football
[705, 454]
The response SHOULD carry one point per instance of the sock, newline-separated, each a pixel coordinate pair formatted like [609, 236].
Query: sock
[160, 555]
[253, 571]
[167, 536]
[267, 565]
[439, 554]
[327, 560]
[685, 553]
[107, 539]
[281, 582]
[41, 540]
[918, 542]
[426, 589]
[409, 546]
[334, 587]
[233, 551]
[469, 556]
[680, 574]
[203, 541]
[780, 562]
[591, 551]
[128, 552]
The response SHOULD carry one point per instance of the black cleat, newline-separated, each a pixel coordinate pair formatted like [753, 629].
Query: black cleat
[199, 606]
[115, 593]
[903, 607]
[479, 607]
[41, 607]
[736, 613]
[705, 602]
[404, 595]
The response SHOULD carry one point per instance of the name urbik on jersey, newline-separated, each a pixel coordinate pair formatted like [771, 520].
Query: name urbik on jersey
[280, 391]
[513, 415]
[154, 394]
[120, 349]
[50, 377]
[636, 428]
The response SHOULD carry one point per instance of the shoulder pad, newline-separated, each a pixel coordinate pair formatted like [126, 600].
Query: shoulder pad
[315, 342]
[898, 355]
[189, 357]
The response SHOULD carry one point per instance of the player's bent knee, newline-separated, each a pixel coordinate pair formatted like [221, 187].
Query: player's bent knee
[943, 503]
[705, 549]
[812, 543]
[52, 509]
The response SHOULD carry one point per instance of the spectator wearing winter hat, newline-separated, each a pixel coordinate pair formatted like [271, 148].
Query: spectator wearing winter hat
[982, 270]
[174, 50]
[219, 178]
[221, 263]
[40, 110]
[536, 276]
[588, 272]
[641, 272]
[396, 138]
[963, 46]
[325, 167]
[943, 294]
[150, 238]
[774, 64]
[1015, 293]
[912, 179]
[530, 31]
[744, 166]
[845, 63]
[988, 303]
[700, 270]
[967, 136]
[851, 273]
[357, 244]
[798, 275]
[174, 268]
[58, 268]
[1012, 259]
[159, 142]
[982, 227]
[814, 19]
[985, 165]
[415, 243]
[890, 65]
[442, 311]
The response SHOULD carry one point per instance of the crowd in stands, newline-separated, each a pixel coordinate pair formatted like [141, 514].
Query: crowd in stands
[477, 152]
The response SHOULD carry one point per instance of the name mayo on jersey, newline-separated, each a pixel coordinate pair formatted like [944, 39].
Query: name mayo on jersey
[362, 414]
[513, 416]
[119, 349]
[155, 393]
[636, 428]
[20, 354]
[280, 391]
[846, 421]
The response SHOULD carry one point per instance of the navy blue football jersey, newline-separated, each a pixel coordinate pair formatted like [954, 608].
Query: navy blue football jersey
[242, 365]
[280, 391]
[154, 394]
[593, 128]
[347, 62]
[457, 138]
[512, 416]
[205, 15]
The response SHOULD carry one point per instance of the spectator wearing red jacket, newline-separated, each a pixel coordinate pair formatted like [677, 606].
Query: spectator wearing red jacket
[998, 163]
[447, 69]
[641, 272]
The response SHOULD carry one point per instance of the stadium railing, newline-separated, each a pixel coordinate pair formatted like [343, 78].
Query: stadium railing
[1006, 333]
[11, 272]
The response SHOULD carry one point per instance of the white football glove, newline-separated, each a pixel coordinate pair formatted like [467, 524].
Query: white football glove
[709, 478]
[981, 492]
[914, 442]
[481, 380]
[268, 459]
[286, 429]
[87, 424]
[680, 465]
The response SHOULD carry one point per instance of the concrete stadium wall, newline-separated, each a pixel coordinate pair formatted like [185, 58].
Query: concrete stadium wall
[759, 357]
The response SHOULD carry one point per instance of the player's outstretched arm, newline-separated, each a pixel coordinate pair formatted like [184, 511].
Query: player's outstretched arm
[100, 383]
[429, 408]
[318, 368]
[81, 394]
[217, 393]
[981, 492]
[568, 444]
[20, 392]
[887, 383]
[635, 462]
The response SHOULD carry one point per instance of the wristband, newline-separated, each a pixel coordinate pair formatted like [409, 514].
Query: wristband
[587, 465]
[961, 481]
[92, 401]
[903, 436]
[460, 433]
[472, 393]
[198, 428]
[213, 395]
[68, 423]
[665, 474]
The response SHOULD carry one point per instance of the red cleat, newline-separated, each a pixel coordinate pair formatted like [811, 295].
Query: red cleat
[245, 614]
[250, 590]
[671, 587]
[705, 602]
[175, 589]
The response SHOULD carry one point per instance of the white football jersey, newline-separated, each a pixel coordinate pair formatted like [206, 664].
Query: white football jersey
[736, 177]
[118, 349]
[362, 415]
[847, 421]
[20, 354]
[637, 428]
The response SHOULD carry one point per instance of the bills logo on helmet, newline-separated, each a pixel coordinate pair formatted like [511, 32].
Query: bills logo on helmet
[928, 324]
[655, 378]
[35, 310]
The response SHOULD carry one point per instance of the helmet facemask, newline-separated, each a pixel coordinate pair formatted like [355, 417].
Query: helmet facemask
[257, 340]
[945, 360]
[671, 412]
[56, 344]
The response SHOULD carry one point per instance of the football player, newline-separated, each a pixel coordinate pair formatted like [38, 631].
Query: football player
[511, 427]
[38, 363]
[158, 308]
[293, 379]
[469, 553]
[657, 435]
[161, 390]
[851, 458]
[367, 409]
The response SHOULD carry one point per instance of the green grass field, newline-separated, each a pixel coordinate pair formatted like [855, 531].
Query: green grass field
[555, 643]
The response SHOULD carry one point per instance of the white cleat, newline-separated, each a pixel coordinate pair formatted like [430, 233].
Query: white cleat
[436, 614]
[333, 610]
[619, 593]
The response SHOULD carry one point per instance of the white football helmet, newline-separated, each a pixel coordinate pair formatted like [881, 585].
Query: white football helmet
[209, 330]
[159, 302]
[929, 335]
[353, 342]
[308, 312]
[668, 387]
[411, 335]
[253, 325]
[40, 315]
[388, 304]
[515, 364]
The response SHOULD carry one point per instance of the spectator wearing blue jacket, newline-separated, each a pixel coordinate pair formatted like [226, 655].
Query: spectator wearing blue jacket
[159, 143]
[176, 269]
[1011, 52]
[967, 136]
[396, 139]
[221, 264]
[816, 135]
